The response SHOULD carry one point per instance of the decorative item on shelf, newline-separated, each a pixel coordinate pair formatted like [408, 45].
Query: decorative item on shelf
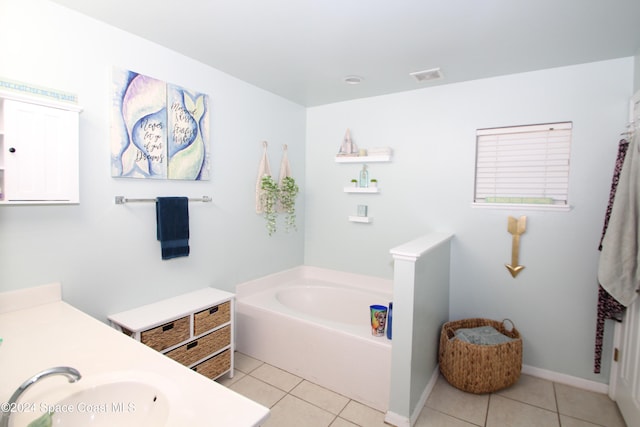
[364, 177]
[363, 210]
[348, 147]
[354, 182]
[374, 183]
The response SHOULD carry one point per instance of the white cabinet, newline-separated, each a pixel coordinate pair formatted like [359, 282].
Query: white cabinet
[195, 329]
[38, 152]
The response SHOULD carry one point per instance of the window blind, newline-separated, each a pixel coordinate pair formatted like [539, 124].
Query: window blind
[523, 164]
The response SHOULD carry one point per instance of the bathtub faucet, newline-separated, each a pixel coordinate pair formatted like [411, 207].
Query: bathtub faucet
[72, 374]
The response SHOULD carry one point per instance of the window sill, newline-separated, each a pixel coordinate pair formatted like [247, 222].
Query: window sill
[522, 207]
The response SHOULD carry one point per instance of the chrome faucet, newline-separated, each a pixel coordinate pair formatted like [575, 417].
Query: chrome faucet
[72, 374]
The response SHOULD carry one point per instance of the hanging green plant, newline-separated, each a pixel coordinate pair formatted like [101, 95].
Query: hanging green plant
[288, 192]
[269, 199]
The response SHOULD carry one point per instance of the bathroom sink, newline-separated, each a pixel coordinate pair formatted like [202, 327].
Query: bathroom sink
[123, 403]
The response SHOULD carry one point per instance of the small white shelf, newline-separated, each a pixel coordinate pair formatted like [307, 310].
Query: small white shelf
[361, 189]
[362, 159]
[363, 219]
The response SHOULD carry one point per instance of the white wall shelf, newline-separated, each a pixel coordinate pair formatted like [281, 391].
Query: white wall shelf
[373, 190]
[363, 219]
[362, 159]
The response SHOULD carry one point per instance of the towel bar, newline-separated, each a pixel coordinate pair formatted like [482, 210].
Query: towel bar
[120, 200]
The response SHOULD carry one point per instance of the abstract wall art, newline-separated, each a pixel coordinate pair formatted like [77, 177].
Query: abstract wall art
[158, 130]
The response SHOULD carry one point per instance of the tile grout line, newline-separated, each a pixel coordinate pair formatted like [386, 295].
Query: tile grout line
[486, 412]
[530, 404]
[288, 393]
[337, 416]
[555, 397]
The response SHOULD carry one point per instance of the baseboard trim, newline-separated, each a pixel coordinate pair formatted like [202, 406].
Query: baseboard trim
[398, 420]
[393, 419]
[566, 379]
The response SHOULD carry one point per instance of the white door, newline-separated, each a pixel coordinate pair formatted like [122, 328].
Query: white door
[625, 375]
[627, 372]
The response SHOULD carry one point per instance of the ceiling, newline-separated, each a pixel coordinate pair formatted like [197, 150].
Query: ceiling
[303, 49]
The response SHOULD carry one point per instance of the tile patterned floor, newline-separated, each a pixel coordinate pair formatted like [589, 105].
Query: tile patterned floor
[532, 402]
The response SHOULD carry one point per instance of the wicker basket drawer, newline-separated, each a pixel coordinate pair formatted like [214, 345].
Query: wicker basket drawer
[211, 317]
[169, 334]
[202, 347]
[214, 367]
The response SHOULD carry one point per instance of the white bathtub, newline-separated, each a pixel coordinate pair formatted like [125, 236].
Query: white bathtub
[314, 323]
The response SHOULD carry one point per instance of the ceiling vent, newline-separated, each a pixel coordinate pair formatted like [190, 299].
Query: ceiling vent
[423, 76]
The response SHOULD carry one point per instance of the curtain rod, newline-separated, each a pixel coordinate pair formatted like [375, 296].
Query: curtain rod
[120, 200]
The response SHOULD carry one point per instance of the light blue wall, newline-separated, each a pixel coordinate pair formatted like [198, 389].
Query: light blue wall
[636, 72]
[429, 186]
[106, 255]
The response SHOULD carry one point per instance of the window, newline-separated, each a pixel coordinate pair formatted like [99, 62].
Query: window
[523, 165]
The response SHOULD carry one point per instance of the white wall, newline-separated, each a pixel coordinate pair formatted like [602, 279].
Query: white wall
[429, 186]
[106, 255]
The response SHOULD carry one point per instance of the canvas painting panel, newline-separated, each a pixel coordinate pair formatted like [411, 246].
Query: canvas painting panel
[158, 130]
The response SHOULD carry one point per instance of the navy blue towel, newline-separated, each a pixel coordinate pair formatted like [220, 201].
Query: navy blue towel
[172, 216]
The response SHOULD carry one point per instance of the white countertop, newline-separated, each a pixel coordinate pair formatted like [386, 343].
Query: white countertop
[57, 334]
